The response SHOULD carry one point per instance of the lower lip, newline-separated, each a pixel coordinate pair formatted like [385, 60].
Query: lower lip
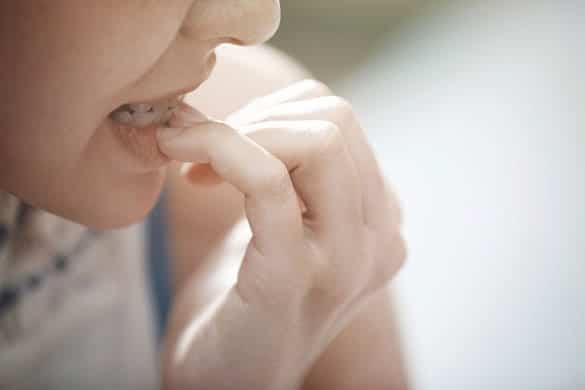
[141, 145]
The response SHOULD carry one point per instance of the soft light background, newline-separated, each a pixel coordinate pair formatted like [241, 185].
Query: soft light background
[477, 112]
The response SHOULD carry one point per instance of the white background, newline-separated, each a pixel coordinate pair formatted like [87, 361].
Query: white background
[477, 114]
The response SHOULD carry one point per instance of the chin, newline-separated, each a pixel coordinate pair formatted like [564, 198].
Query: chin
[122, 206]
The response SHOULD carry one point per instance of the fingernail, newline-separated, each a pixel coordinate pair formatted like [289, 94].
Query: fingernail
[188, 115]
[179, 144]
[165, 134]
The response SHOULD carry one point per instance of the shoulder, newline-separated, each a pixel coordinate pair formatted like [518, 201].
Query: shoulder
[242, 74]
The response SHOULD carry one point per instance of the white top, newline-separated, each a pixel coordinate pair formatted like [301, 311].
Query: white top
[74, 308]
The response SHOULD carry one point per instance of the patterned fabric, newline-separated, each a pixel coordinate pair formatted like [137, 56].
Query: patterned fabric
[34, 248]
[74, 306]
[8, 212]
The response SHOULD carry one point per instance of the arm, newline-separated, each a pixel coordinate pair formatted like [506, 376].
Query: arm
[366, 354]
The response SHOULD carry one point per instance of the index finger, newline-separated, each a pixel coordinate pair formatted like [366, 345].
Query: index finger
[271, 201]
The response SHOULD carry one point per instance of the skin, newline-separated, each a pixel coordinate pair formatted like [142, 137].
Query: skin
[325, 240]
[97, 56]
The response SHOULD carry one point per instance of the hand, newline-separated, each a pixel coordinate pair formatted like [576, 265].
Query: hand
[311, 264]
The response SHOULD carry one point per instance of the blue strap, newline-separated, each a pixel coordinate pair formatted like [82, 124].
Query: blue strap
[159, 265]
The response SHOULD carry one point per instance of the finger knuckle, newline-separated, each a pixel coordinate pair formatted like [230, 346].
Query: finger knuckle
[273, 179]
[392, 258]
[398, 245]
[394, 204]
[317, 87]
[341, 103]
[402, 252]
[330, 139]
[343, 114]
[332, 291]
[254, 103]
[332, 287]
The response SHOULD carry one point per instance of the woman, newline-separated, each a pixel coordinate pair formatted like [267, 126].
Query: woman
[93, 118]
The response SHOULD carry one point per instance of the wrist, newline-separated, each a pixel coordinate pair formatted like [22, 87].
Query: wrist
[234, 345]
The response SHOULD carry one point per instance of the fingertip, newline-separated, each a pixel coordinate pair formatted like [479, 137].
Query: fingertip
[187, 115]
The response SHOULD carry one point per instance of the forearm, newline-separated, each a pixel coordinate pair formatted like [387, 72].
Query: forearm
[222, 355]
[366, 355]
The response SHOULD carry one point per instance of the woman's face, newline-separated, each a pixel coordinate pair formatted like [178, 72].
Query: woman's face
[68, 64]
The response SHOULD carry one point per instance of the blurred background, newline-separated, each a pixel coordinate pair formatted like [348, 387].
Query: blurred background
[476, 110]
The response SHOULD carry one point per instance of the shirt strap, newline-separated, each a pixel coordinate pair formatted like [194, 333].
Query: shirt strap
[159, 264]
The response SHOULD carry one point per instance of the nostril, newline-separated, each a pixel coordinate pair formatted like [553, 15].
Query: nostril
[235, 41]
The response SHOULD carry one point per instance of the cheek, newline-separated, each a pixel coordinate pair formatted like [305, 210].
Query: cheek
[81, 185]
[113, 191]
[88, 58]
[89, 54]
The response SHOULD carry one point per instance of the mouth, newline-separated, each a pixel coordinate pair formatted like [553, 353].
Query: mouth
[157, 111]
[141, 115]
[135, 124]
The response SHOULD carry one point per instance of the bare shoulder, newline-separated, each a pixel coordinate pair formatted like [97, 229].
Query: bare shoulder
[243, 73]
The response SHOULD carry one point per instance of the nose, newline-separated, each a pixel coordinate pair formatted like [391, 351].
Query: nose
[244, 22]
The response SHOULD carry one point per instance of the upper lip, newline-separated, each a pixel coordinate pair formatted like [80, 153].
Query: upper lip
[173, 94]
[183, 91]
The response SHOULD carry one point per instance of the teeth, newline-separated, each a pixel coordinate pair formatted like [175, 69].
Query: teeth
[146, 114]
[123, 117]
[141, 108]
